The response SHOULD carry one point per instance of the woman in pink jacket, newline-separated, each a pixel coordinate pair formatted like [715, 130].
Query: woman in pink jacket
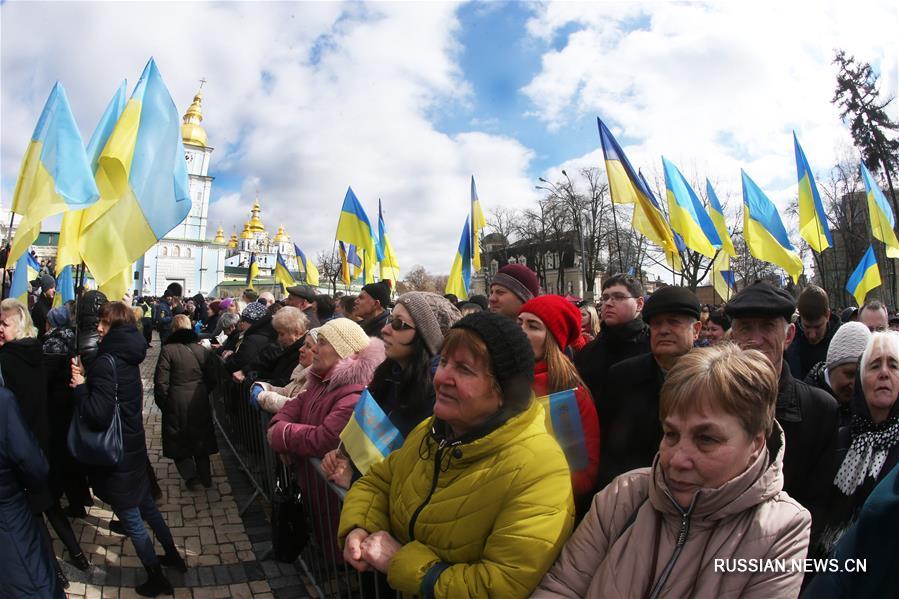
[710, 518]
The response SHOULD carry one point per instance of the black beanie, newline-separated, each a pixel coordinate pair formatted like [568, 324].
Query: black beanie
[510, 352]
[380, 291]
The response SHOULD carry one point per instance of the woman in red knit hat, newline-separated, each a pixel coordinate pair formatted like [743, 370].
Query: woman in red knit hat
[552, 324]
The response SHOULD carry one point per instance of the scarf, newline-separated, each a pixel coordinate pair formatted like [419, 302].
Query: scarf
[868, 452]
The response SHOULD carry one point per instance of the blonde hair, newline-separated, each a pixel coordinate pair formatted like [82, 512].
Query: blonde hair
[739, 382]
[20, 314]
[593, 325]
[180, 321]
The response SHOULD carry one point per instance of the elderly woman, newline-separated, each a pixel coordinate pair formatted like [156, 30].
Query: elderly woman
[276, 362]
[714, 492]
[185, 374]
[227, 339]
[271, 398]
[477, 502]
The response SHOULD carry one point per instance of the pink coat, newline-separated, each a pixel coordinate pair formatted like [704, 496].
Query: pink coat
[309, 424]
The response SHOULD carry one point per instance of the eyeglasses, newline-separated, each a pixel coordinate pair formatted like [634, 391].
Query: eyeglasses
[615, 298]
[398, 325]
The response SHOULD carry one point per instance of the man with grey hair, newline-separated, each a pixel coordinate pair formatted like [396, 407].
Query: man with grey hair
[874, 315]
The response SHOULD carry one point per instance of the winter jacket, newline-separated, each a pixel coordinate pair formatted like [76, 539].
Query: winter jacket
[312, 318]
[583, 480]
[628, 543]
[275, 364]
[612, 345]
[817, 377]
[309, 425]
[26, 569]
[39, 313]
[58, 350]
[21, 364]
[273, 398]
[483, 518]
[629, 417]
[185, 374]
[162, 318]
[373, 325]
[809, 418]
[802, 355]
[254, 340]
[125, 484]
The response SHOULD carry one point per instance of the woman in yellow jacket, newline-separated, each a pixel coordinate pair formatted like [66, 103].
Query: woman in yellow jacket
[477, 502]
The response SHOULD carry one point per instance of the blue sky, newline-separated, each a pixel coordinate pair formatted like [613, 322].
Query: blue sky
[405, 101]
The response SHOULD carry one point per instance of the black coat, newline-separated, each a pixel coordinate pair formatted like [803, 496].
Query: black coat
[185, 374]
[39, 313]
[312, 318]
[25, 566]
[612, 345]
[629, 417]
[275, 364]
[802, 355]
[58, 350]
[373, 325]
[21, 363]
[810, 419]
[125, 484]
[255, 339]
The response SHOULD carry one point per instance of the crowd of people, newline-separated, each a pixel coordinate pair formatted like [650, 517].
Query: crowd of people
[546, 448]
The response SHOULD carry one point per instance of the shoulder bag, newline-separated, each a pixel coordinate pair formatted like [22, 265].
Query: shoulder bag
[98, 448]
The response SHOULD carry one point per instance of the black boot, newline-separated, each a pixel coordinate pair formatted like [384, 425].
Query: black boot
[173, 559]
[80, 562]
[61, 577]
[157, 583]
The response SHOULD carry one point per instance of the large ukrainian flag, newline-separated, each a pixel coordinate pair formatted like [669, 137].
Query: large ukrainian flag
[812, 221]
[282, 273]
[628, 188]
[478, 223]
[459, 281]
[390, 269]
[65, 287]
[882, 218]
[353, 227]
[716, 212]
[344, 264]
[686, 214]
[864, 278]
[307, 266]
[55, 175]
[27, 269]
[764, 231]
[142, 177]
[369, 436]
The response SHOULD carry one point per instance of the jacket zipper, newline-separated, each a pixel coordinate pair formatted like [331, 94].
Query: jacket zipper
[418, 510]
[678, 547]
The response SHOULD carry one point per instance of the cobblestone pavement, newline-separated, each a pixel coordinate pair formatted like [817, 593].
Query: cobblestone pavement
[222, 549]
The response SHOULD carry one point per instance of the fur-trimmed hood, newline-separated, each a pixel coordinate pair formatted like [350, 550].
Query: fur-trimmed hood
[356, 369]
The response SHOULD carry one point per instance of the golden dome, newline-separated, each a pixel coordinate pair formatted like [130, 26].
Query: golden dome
[281, 235]
[255, 224]
[219, 236]
[192, 131]
[246, 233]
[232, 243]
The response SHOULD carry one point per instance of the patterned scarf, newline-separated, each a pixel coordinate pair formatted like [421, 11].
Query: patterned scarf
[868, 452]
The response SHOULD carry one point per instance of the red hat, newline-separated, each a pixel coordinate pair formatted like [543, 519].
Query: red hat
[559, 316]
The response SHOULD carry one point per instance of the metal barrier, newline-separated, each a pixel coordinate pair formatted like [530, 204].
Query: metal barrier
[244, 429]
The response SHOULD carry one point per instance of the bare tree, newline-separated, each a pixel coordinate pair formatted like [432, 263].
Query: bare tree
[329, 268]
[503, 222]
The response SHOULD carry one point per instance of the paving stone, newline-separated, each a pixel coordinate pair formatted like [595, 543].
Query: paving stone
[207, 576]
[222, 575]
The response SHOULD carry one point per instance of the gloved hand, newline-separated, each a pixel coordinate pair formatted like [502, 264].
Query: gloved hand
[255, 390]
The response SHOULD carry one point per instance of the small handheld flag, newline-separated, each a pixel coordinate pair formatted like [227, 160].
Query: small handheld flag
[563, 421]
[865, 277]
[369, 436]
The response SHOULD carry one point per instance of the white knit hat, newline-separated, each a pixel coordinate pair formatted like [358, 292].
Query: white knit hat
[344, 335]
[847, 344]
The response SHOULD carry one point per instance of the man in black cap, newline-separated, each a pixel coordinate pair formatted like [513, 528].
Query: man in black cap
[303, 297]
[371, 307]
[629, 407]
[43, 304]
[761, 319]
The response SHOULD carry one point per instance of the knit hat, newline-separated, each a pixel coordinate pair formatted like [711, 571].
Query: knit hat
[671, 300]
[559, 316]
[380, 291]
[519, 279]
[59, 317]
[847, 344]
[225, 303]
[433, 316]
[47, 283]
[510, 352]
[254, 312]
[480, 300]
[345, 336]
[173, 290]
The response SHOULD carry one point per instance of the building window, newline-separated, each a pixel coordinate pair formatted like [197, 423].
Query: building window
[187, 252]
[164, 251]
[176, 252]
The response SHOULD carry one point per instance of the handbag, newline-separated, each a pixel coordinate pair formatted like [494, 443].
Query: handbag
[289, 529]
[98, 448]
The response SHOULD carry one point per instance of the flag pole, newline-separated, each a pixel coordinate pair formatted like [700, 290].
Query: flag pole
[12, 215]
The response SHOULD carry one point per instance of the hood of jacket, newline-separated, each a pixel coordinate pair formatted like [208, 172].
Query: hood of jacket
[761, 481]
[356, 369]
[182, 336]
[27, 349]
[126, 343]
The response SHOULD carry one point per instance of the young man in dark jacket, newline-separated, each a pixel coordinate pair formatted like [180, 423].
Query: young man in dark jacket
[814, 330]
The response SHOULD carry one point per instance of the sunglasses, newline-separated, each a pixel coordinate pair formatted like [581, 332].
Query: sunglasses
[398, 325]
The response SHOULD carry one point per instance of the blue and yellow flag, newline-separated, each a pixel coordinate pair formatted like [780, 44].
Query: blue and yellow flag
[882, 218]
[687, 215]
[307, 266]
[865, 277]
[55, 175]
[142, 177]
[354, 260]
[355, 228]
[67, 252]
[369, 436]
[27, 270]
[627, 187]
[672, 258]
[459, 281]
[65, 287]
[390, 269]
[764, 232]
[812, 221]
[252, 271]
[722, 276]
[282, 273]
[344, 264]
[716, 213]
[478, 224]
[563, 422]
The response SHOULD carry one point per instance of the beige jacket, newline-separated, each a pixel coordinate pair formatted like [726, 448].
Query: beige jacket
[629, 538]
[273, 398]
